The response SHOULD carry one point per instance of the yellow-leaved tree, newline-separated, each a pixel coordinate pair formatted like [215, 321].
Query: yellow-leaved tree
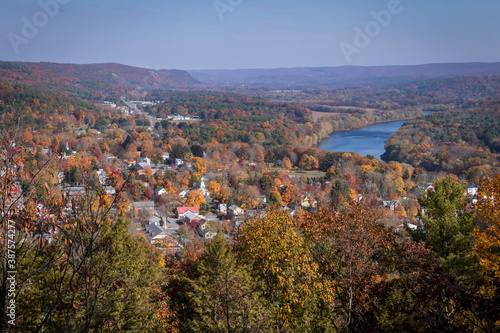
[214, 189]
[282, 257]
[487, 235]
[195, 198]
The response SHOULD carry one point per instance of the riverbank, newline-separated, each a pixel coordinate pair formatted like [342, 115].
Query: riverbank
[327, 126]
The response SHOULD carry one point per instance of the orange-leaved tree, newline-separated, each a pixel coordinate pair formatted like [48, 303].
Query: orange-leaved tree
[195, 198]
[487, 238]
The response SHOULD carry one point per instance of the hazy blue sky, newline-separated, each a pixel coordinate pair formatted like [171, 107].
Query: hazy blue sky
[190, 34]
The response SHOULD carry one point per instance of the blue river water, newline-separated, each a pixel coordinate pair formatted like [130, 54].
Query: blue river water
[369, 140]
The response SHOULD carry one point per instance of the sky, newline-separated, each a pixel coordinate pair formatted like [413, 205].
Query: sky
[235, 34]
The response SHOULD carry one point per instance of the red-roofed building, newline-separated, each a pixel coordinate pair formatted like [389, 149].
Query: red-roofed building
[182, 211]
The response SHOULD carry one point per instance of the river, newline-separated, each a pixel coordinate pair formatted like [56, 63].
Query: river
[369, 140]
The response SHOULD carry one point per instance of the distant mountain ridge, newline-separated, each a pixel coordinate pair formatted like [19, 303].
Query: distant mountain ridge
[344, 74]
[92, 79]
[96, 81]
[123, 74]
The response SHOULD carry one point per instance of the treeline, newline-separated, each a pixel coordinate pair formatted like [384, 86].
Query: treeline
[336, 109]
[445, 92]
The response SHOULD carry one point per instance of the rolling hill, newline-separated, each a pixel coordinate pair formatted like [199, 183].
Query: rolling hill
[345, 74]
[93, 80]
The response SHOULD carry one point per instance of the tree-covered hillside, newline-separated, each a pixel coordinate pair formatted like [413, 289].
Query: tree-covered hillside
[464, 141]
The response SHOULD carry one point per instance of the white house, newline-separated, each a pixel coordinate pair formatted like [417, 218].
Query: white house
[472, 190]
[110, 190]
[184, 193]
[179, 161]
[223, 208]
[103, 177]
[423, 189]
[160, 191]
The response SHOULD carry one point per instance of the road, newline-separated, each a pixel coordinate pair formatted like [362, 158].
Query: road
[133, 107]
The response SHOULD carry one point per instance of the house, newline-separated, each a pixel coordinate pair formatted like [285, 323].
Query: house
[79, 132]
[392, 204]
[146, 160]
[184, 193]
[182, 211]
[155, 220]
[142, 165]
[208, 229]
[237, 215]
[236, 211]
[223, 208]
[74, 190]
[402, 227]
[149, 206]
[160, 191]
[179, 161]
[155, 233]
[423, 189]
[307, 201]
[109, 190]
[165, 156]
[15, 194]
[472, 190]
[192, 219]
[103, 177]
[252, 214]
[159, 235]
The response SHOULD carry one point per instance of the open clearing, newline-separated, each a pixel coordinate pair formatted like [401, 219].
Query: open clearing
[316, 115]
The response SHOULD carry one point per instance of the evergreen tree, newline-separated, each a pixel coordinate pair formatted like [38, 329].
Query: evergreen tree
[226, 298]
[340, 193]
[447, 227]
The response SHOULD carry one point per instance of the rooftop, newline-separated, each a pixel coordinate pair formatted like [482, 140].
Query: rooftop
[142, 204]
